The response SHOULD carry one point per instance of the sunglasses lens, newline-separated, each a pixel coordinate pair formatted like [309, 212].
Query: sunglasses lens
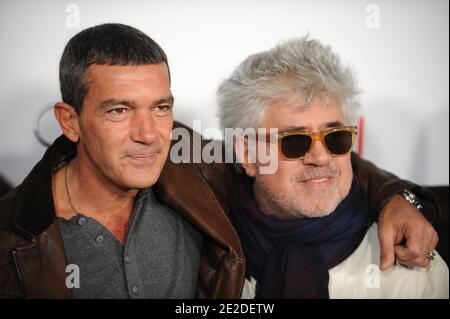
[295, 145]
[339, 142]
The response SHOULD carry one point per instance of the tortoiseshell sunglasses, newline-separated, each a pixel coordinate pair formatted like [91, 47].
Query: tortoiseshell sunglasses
[337, 141]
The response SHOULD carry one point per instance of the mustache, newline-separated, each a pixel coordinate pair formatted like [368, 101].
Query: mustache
[316, 173]
[143, 149]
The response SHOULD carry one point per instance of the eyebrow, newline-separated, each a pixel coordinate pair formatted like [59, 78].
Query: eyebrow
[304, 128]
[109, 102]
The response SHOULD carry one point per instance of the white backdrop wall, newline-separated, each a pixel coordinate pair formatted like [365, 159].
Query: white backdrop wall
[399, 49]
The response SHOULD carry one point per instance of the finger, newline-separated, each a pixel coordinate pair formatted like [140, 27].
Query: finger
[404, 253]
[387, 253]
[434, 241]
[408, 258]
[418, 262]
[416, 245]
[414, 254]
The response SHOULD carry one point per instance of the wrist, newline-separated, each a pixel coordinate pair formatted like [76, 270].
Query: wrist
[411, 198]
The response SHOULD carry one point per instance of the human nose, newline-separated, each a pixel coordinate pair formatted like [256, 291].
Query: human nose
[317, 154]
[143, 129]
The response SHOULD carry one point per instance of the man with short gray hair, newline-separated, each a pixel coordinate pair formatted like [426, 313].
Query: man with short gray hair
[307, 230]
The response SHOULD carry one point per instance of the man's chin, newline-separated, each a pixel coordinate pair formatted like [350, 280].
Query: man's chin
[139, 178]
[316, 214]
[319, 209]
[139, 182]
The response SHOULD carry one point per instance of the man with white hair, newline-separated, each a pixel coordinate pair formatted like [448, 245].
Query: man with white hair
[306, 229]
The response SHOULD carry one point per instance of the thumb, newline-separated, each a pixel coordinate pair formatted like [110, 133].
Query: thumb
[387, 253]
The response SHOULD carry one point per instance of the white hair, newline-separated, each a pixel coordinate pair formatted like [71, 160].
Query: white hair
[297, 69]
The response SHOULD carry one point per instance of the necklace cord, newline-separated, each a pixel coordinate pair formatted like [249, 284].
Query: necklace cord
[67, 189]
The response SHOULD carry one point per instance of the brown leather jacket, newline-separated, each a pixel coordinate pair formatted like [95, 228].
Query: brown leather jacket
[32, 260]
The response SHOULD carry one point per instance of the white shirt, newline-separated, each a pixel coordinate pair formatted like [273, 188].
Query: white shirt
[359, 276]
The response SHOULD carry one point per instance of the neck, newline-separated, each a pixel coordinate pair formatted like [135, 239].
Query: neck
[93, 196]
[94, 191]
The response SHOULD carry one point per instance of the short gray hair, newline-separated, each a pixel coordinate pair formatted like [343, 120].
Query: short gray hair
[299, 68]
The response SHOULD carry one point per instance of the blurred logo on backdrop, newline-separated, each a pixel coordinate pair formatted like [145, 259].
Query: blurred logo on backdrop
[46, 128]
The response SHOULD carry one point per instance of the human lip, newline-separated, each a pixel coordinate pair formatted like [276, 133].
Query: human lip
[143, 157]
[318, 182]
[315, 178]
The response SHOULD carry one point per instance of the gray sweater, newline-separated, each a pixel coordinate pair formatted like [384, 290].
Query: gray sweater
[161, 257]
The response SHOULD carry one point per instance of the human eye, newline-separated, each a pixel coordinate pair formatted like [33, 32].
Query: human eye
[163, 109]
[117, 114]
